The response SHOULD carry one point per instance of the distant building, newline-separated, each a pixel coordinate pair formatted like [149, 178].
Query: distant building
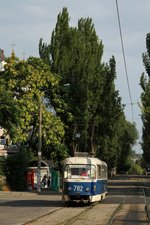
[136, 157]
[2, 59]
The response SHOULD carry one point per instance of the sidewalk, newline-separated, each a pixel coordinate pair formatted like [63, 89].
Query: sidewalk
[29, 193]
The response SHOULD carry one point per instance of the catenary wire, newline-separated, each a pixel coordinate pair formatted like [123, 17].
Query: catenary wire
[124, 59]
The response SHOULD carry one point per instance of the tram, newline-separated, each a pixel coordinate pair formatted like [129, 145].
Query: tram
[84, 180]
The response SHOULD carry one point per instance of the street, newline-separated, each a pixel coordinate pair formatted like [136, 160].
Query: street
[18, 208]
[125, 195]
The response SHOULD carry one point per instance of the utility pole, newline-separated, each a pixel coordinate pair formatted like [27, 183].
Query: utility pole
[40, 144]
[39, 149]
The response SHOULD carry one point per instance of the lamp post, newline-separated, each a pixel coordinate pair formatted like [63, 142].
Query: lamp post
[39, 150]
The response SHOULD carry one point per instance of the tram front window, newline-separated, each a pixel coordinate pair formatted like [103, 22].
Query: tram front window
[78, 171]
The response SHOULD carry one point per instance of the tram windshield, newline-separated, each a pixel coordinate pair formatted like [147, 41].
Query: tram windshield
[79, 171]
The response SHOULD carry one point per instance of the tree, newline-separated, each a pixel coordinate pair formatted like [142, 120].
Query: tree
[93, 105]
[30, 81]
[8, 110]
[145, 100]
[110, 111]
[8, 107]
[15, 170]
[75, 55]
[127, 137]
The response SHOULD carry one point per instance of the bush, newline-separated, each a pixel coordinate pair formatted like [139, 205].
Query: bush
[136, 170]
[15, 169]
[1, 183]
[2, 160]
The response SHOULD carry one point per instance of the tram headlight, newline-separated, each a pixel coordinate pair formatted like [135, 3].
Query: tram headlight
[69, 188]
[94, 187]
[87, 189]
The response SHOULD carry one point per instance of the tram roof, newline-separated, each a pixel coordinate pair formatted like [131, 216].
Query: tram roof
[84, 160]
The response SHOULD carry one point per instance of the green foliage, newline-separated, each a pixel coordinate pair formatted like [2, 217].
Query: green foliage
[110, 114]
[15, 170]
[145, 100]
[2, 161]
[93, 106]
[136, 170]
[85, 116]
[127, 138]
[31, 84]
[8, 109]
[58, 153]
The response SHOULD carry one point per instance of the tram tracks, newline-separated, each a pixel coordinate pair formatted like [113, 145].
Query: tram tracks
[64, 215]
[70, 215]
[34, 221]
[96, 213]
[131, 207]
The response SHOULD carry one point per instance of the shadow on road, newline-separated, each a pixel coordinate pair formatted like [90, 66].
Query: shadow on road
[33, 203]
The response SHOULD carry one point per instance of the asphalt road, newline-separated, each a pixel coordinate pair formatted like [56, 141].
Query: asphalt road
[18, 208]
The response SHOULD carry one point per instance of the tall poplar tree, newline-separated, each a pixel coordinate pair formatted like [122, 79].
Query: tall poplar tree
[91, 102]
[145, 100]
[76, 56]
[110, 111]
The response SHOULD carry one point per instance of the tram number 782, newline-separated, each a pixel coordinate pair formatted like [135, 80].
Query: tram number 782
[78, 188]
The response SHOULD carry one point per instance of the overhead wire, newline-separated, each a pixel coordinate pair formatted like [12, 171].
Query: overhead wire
[124, 59]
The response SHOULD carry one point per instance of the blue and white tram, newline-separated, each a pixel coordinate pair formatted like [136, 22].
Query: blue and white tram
[84, 179]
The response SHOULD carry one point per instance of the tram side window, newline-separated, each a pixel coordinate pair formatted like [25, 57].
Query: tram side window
[99, 171]
[67, 172]
[104, 171]
[93, 171]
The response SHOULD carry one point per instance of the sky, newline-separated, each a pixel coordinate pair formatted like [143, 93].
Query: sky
[23, 23]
